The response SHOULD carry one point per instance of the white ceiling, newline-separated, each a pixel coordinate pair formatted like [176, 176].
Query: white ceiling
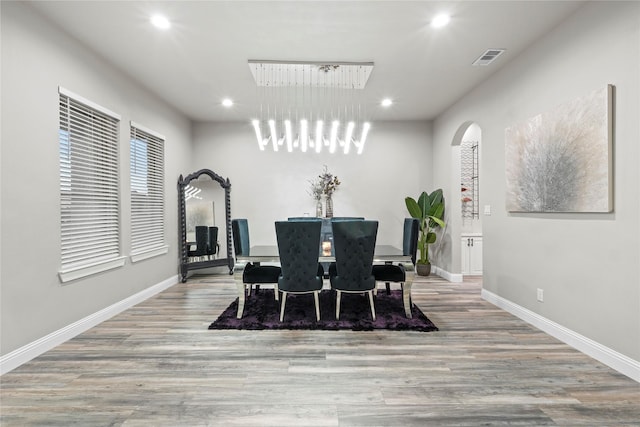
[203, 57]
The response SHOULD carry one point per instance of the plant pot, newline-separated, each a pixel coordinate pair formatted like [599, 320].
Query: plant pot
[423, 269]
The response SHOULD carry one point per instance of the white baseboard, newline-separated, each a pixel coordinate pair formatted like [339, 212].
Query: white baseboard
[22, 355]
[451, 277]
[621, 363]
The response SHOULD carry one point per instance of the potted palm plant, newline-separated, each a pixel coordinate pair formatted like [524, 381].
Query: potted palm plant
[429, 210]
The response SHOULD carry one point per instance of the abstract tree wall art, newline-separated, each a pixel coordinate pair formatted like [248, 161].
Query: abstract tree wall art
[561, 160]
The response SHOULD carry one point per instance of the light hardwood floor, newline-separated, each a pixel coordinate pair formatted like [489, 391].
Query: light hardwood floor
[157, 365]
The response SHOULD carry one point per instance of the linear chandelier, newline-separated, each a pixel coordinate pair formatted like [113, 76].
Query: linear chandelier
[311, 106]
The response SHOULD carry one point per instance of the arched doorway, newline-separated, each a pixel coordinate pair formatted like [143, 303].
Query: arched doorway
[467, 233]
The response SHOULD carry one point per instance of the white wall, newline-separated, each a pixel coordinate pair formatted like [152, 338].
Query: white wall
[267, 186]
[36, 59]
[587, 264]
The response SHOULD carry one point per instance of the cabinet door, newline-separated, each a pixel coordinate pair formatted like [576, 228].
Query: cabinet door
[465, 246]
[475, 256]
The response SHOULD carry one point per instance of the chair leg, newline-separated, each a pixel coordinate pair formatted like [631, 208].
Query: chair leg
[284, 300]
[388, 285]
[315, 297]
[241, 298]
[337, 304]
[276, 292]
[373, 309]
[402, 290]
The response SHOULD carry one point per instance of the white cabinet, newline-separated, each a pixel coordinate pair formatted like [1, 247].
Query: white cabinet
[471, 249]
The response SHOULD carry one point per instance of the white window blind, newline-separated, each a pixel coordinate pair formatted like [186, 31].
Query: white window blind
[147, 191]
[90, 205]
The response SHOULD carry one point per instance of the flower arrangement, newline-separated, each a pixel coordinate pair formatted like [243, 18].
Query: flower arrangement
[317, 188]
[328, 181]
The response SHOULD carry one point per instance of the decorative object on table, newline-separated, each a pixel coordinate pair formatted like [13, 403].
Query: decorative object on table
[317, 188]
[261, 311]
[429, 209]
[561, 160]
[330, 184]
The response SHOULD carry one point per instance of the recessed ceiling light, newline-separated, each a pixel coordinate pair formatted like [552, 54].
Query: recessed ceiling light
[440, 20]
[160, 22]
[227, 102]
[386, 102]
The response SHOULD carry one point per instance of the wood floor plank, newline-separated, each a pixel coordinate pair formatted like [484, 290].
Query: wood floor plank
[158, 364]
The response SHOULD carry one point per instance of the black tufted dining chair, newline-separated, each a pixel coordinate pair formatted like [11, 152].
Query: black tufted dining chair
[388, 273]
[354, 243]
[213, 246]
[253, 274]
[201, 242]
[298, 246]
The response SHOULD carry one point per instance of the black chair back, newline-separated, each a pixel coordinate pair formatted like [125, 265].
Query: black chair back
[212, 248]
[354, 242]
[298, 243]
[410, 238]
[240, 231]
[201, 241]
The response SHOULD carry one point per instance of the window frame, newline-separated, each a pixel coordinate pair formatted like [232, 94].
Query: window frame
[145, 242]
[91, 138]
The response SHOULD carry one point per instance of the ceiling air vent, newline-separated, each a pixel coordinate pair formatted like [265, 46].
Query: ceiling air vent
[488, 57]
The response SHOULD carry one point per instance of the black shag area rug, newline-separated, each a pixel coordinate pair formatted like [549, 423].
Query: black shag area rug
[262, 311]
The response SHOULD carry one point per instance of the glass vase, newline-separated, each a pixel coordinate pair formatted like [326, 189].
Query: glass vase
[318, 208]
[328, 209]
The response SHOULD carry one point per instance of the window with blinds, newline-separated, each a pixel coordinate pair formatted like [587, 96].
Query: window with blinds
[147, 193]
[89, 198]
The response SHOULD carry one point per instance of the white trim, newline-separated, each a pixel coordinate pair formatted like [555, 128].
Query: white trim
[451, 277]
[85, 101]
[621, 363]
[149, 253]
[22, 355]
[89, 269]
[147, 130]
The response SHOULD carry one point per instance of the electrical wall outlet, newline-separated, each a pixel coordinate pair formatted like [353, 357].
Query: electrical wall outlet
[540, 295]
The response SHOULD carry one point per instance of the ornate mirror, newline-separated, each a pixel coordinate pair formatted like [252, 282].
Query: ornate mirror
[205, 222]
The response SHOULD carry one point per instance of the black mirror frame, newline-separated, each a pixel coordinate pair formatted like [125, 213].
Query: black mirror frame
[185, 265]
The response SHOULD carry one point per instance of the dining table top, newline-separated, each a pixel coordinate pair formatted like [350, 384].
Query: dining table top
[269, 253]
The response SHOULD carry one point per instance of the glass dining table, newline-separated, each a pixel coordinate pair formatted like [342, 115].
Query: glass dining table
[383, 254]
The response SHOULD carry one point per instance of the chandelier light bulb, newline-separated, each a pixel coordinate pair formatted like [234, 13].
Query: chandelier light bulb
[363, 138]
[274, 135]
[256, 128]
[319, 140]
[288, 135]
[347, 137]
[304, 135]
[334, 136]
